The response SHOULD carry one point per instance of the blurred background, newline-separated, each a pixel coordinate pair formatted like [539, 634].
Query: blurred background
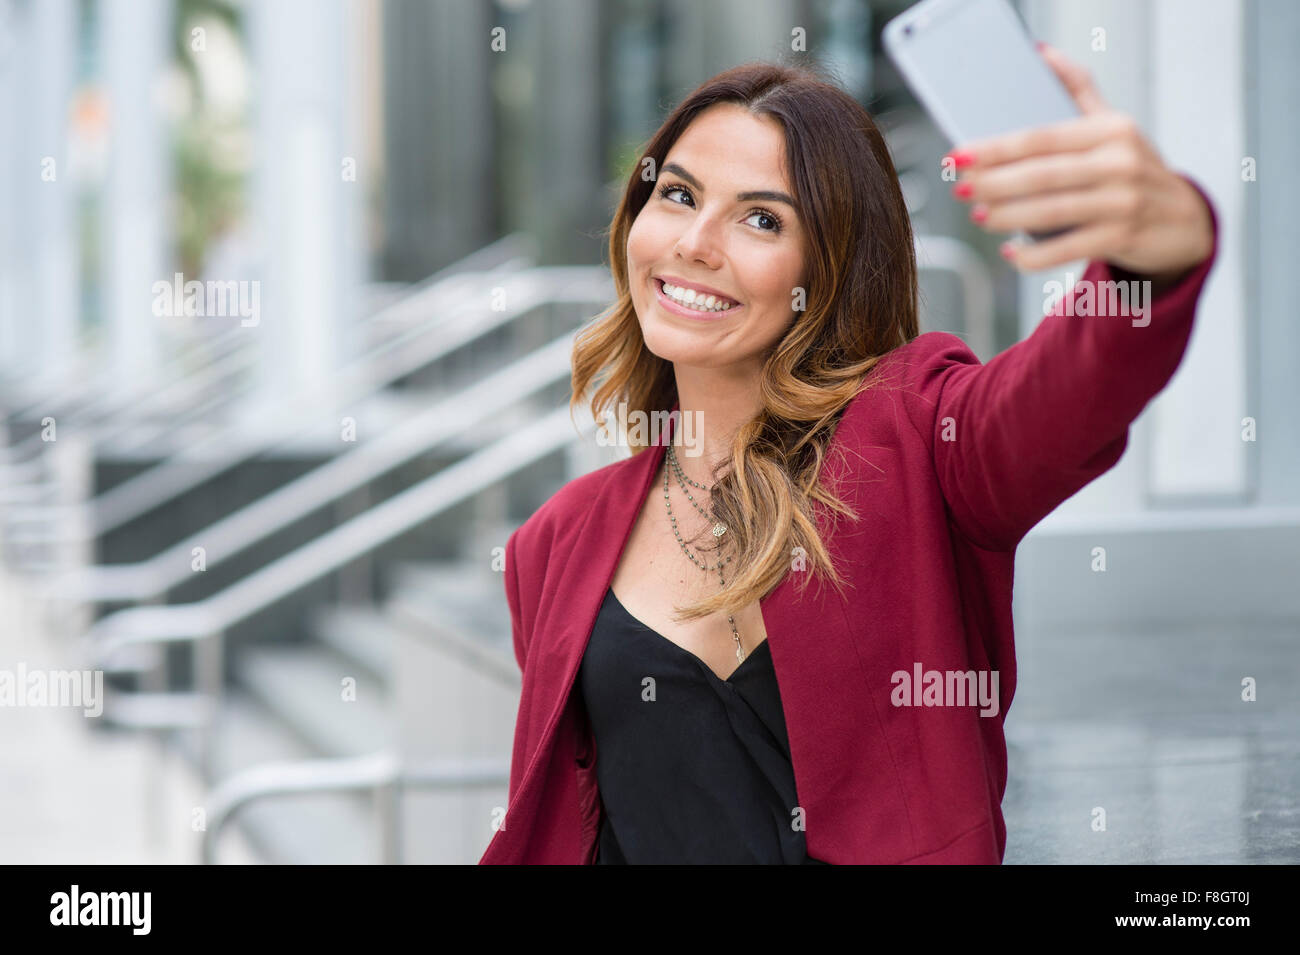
[287, 293]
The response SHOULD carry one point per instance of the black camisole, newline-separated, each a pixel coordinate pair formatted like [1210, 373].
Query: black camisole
[690, 768]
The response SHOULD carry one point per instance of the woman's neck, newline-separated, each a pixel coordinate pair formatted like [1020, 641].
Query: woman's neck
[714, 405]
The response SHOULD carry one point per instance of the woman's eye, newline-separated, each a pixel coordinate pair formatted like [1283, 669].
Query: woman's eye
[667, 190]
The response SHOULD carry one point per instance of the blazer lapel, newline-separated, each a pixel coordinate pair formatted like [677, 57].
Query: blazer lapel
[578, 589]
[576, 592]
[589, 570]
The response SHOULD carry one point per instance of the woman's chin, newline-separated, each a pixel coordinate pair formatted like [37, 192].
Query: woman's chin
[682, 347]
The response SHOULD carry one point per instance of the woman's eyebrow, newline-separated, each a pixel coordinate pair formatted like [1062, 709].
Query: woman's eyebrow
[740, 196]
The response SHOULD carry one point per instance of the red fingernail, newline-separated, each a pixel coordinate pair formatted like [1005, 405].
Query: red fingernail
[1008, 251]
[961, 157]
[962, 190]
[979, 213]
[1039, 45]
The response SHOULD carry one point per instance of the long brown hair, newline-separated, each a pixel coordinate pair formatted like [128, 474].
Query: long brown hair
[861, 303]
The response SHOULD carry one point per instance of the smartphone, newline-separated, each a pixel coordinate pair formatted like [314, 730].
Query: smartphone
[974, 68]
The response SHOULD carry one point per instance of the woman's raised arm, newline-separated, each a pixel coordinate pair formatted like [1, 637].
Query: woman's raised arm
[1014, 438]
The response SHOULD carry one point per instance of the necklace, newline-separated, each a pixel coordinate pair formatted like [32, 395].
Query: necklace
[718, 530]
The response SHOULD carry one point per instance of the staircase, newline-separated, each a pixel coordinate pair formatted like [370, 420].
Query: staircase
[355, 701]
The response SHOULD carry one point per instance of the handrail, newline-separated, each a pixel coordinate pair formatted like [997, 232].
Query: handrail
[69, 390]
[205, 621]
[119, 408]
[150, 579]
[510, 252]
[180, 401]
[514, 251]
[946, 254]
[460, 321]
[20, 390]
[54, 387]
[339, 546]
[382, 773]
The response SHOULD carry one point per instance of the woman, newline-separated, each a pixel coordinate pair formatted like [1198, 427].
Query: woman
[766, 282]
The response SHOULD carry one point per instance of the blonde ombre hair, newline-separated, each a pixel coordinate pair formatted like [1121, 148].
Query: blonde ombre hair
[861, 295]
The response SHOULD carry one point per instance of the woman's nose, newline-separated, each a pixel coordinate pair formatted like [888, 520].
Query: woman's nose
[699, 242]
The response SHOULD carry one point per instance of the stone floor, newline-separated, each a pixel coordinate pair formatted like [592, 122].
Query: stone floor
[1150, 726]
[76, 794]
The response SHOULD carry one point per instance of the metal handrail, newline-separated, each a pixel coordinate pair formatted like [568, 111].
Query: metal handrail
[150, 579]
[459, 322]
[506, 254]
[177, 404]
[909, 133]
[117, 413]
[94, 405]
[69, 392]
[514, 251]
[383, 773]
[205, 622]
[941, 253]
[71, 384]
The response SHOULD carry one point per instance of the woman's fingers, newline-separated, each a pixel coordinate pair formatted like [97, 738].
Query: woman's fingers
[1086, 242]
[1042, 213]
[1045, 174]
[1070, 135]
[1077, 80]
[1095, 175]
[1111, 183]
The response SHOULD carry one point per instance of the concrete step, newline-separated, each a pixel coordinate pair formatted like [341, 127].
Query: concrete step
[302, 685]
[324, 829]
[467, 596]
[459, 608]
[359, 634]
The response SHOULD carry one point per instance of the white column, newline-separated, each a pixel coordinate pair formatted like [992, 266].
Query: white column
[1199, 107]
[38, 263]
[10, 226]
[1273, 246]
[1120, 74]
[135, 47]
[1172, 65]
[52, 53]
[301, 65]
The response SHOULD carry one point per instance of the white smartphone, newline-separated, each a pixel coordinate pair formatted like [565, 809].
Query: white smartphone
[974, 68]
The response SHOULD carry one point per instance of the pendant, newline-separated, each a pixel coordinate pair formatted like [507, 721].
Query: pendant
[719, 530]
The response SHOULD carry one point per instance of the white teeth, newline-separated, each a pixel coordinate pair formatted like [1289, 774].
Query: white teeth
[696, 300]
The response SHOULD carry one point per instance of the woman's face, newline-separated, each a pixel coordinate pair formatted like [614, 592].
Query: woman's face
[720, 220]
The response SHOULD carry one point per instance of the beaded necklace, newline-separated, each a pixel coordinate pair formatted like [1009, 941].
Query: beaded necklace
[718, 530]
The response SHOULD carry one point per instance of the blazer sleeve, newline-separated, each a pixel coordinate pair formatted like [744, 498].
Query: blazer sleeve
[1014, 438]
[512, 599]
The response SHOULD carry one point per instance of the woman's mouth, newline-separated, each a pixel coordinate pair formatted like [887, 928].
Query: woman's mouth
[692, 304]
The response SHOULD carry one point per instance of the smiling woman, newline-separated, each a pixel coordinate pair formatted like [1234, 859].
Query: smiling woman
[775, 191]
[685, 697]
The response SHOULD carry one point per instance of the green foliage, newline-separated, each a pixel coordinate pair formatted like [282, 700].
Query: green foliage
[209, 185]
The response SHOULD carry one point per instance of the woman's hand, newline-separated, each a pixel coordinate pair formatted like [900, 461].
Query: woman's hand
[1097, 172]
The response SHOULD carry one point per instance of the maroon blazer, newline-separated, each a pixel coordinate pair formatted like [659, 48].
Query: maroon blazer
[948, 463]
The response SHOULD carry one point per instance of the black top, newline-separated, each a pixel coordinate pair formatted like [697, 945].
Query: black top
[690, 768]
